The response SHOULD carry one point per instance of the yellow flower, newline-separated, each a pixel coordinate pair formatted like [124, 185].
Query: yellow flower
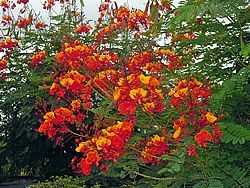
[66, 82]
[149, 105]
[171, 93]
[134, 92]
[144, 79]
[130, 78]
[117, 93]
[210, 117]
[177, 133]
[76, 104]
[107, 133]
[49, 115]
[102, 142]
[157, 138]
[158, 91]
[53, 86]
[83, 144]
[181, 91]
[104, 57]
[197, 82]
[121, 81]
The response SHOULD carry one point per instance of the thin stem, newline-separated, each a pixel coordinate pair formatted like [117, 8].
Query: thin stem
[147, 176]
[76, 134]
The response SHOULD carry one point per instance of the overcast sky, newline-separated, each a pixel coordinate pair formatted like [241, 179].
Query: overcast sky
[91, 6]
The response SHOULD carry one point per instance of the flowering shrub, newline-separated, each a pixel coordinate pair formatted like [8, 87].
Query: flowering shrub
[119, 94]
[133, 84]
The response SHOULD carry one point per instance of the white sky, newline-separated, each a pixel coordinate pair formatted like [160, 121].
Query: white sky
[91, 6]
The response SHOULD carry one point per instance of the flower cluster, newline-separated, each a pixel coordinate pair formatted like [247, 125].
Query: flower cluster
[8, 44]
[5, 5]
[138, 18]
[124, 19]
[155, 148]
[173, 61]
[107, 147]
[191, 98]
[3, 64]
[6, 19]
[83, 29]
[24, 22]
[48, 4]
[56, 122]
[72, 82]
[38, 58]
[136, 90]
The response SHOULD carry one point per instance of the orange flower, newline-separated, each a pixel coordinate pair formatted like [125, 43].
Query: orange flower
[24, 22]
[122, 14]
[40, 25]
[157, 146]
[210, 117]
[154, 82]
[47, 128]
[6, 19]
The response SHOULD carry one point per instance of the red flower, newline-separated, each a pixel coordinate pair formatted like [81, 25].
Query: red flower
[22, 1]
[92, 157]
[3, 64]
[217, 134]
[83, 29]
[85, 167]
[24, 22]
[6, 20]
[157, 146]
[192, 151]
[127, 107]
[203, 137]
[48, 4]
[38, 58]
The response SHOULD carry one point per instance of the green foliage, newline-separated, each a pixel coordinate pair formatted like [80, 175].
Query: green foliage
[235, 133]
[222, 35]
[58, 182]
[245, 52]
[233, 90]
